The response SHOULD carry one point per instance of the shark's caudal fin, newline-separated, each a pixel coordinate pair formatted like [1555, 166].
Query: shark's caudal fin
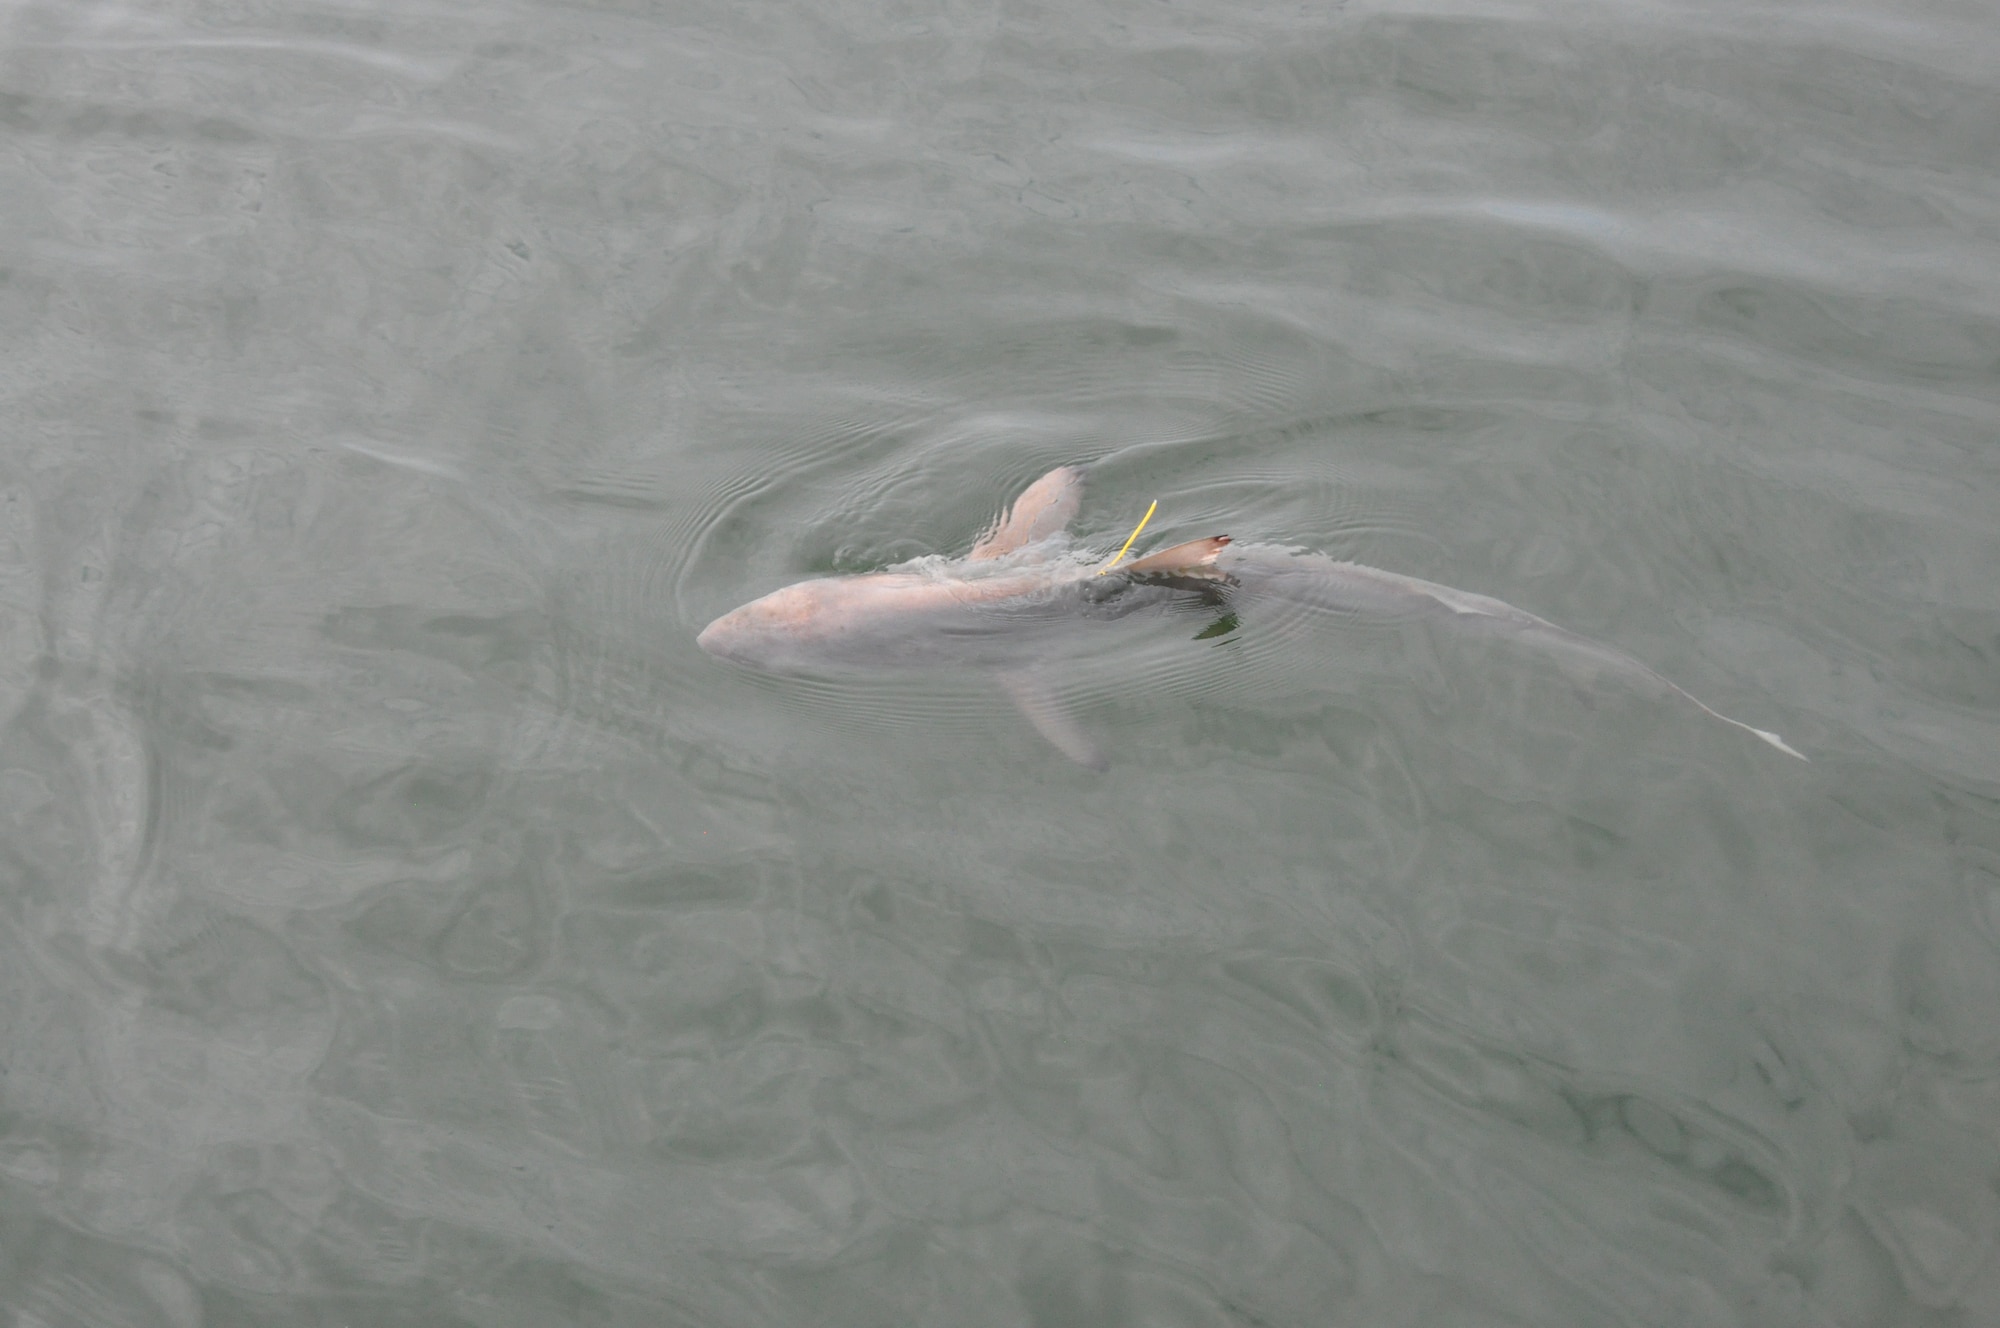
[1052, 719]
[1044, 507]
[1196, 558]
[1765, 734]
[1581, 658]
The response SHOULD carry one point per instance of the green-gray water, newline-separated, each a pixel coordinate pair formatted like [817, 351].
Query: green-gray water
[404, 923]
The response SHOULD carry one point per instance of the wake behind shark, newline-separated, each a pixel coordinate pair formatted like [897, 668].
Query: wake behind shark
[999, 607]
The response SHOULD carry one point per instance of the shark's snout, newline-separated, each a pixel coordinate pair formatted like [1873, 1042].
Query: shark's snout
[762, 634]
[725, 638]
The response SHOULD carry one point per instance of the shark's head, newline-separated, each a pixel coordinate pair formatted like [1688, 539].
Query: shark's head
[836, 620]
[772, 632]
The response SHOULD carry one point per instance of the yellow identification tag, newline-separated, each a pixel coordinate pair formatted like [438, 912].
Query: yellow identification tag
[1129, 538]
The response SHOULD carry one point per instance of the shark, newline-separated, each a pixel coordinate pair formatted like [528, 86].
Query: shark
[1001, 606]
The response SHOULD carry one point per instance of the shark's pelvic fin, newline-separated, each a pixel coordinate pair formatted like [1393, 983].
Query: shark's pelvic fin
[1052, 719]
[1196, 558]
[1044, 507]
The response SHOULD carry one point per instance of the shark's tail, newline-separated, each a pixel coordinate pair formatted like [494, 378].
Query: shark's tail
[1765, 734]
[1596, 652]
[1319, 582]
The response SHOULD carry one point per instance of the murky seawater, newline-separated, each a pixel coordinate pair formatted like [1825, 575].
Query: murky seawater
[405, 923]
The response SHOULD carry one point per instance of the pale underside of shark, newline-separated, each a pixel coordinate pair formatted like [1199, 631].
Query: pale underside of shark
[997, 608]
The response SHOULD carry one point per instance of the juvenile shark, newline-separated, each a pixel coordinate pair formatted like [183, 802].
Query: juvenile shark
[998, 607]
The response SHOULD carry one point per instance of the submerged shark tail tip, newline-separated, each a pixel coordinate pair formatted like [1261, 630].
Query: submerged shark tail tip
[1764, 735]
[1780, 744]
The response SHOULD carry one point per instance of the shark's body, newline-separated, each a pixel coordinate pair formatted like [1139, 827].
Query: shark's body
[998, 608]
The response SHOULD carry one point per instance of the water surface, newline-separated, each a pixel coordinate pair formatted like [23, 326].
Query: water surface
[405, 923]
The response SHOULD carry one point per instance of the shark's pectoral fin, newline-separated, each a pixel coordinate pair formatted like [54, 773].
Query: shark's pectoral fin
[1032, 695]
[1044, 507]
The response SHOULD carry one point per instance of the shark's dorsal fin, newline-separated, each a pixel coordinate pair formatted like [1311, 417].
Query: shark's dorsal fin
[1043, 508]
[1195, 558]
